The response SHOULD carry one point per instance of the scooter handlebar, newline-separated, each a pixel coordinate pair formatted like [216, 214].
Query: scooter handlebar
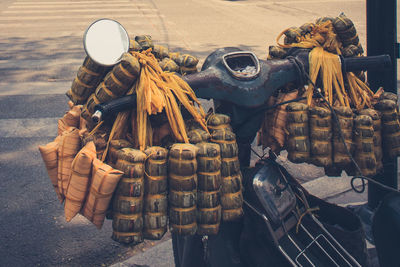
[366, 63]
[114, 106]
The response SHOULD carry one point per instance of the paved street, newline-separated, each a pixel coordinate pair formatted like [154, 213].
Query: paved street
[40, 52]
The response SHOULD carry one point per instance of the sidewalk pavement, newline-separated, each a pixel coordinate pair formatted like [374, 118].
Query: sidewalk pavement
[334, 189]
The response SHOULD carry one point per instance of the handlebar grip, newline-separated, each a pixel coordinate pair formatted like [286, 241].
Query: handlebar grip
[366, 63]
[116, 105]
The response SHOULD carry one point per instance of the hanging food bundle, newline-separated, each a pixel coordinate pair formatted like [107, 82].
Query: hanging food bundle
[150, 167]
[365, 125]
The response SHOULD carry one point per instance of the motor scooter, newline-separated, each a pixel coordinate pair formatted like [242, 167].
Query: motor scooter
[278, 211]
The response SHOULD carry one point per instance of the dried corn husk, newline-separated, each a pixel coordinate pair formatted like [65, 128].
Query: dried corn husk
[298, 145]
[103, 184]
[69, 145]
[157, 91]
[79, 182]
[50, 158]
[363, 138]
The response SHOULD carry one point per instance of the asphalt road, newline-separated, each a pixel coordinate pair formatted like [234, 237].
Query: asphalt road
[40, 52]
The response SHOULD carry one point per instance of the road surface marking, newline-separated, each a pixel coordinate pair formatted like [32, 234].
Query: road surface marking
[123, 10]
[62, 17]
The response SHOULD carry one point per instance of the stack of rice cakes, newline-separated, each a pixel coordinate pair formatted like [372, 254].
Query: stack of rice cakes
[128, 200]
[155, 187]
[209, 185]
[182, 173]
[231, 188]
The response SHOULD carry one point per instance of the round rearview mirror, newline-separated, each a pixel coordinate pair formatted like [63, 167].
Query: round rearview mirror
[105, 41]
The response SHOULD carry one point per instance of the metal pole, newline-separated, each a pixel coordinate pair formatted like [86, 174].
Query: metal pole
[382, 39]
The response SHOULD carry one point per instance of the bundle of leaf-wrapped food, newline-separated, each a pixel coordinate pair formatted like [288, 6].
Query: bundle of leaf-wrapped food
[320, 136]
[231, 196]
[341, 159]
[182, 169]
[376, 121]
[298, 143]
[114, 146]
[160, 51]
[208, 190]
[276, 52]
[390, 128]
[89, 75]
[128, 200]
[364, 143]
[116, 84]
[187, 63]
[198, 135]
[168, 64]
[217, 121]
[155, 188]
[145, 41]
